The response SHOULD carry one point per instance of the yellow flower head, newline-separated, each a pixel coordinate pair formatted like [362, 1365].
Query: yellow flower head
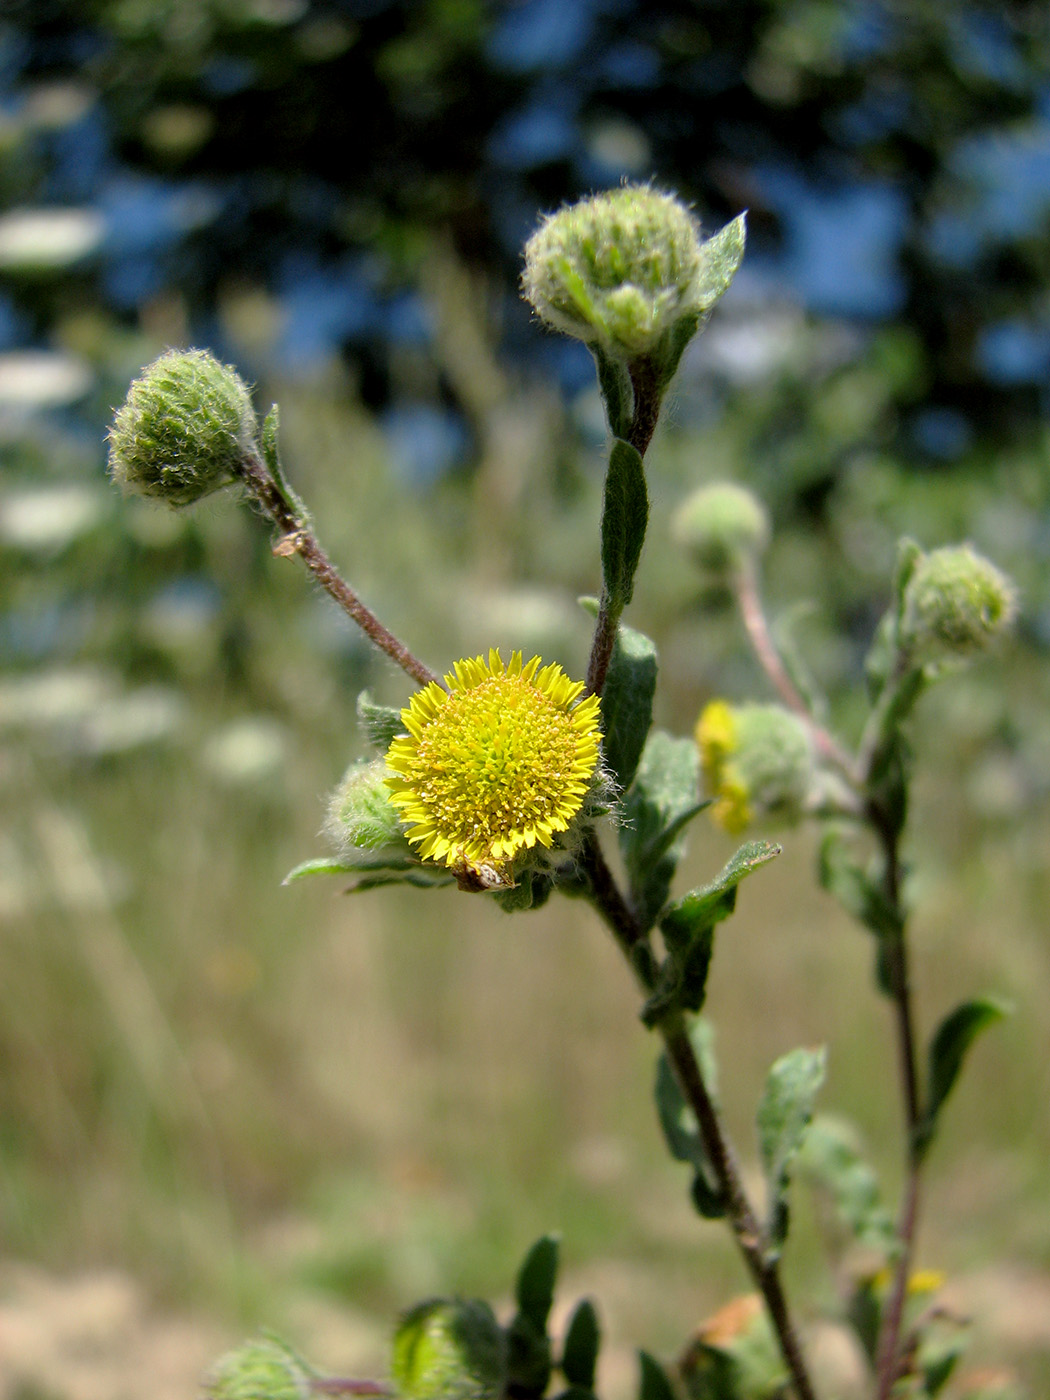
[495, 765]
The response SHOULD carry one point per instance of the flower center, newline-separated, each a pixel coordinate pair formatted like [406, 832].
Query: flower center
[496, 757]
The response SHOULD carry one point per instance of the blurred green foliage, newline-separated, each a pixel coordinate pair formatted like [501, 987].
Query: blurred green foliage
[188, 1054]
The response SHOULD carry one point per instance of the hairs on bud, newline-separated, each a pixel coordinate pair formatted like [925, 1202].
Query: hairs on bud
[185, 429]
[723, 526]
[956, 603]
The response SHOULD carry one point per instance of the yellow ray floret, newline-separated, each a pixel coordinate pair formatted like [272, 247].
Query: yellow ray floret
[499, 762]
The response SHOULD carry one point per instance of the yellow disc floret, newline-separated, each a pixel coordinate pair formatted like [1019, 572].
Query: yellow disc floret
[497, 764]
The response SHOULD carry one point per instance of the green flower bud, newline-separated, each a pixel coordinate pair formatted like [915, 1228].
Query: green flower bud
[723, 526]
[758, 760]
[184, 430]
[627, 273]
[262, 1369]
[955, 604]
[450, 1349]
[361, 816]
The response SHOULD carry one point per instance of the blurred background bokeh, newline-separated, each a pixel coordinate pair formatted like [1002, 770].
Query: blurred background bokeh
[276, 1105]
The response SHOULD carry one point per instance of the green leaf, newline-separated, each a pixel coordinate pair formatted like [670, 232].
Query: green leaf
[720, 256]
[627, 703]
[688, 931]
[860, 894]
[534, 1289]
[948, 1048]
[272, 456]
[660, 802]
[784, 1114]
[375, 871]
[679, 1124]
[614, 381]
[652, 1381]
[625, 515]
[380, 723]
[830, 1159]
[709, 905]
[324, 865]
[580, 1353]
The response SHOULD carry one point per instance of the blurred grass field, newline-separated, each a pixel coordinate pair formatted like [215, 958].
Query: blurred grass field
[258, 1100]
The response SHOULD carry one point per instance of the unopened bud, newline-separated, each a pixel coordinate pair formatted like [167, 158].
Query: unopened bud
[956, 603]
[262, 1369]
[361, 816]
[450, 1349]
[184, 430]
[723, 526]
[626, 271]
[757, 760]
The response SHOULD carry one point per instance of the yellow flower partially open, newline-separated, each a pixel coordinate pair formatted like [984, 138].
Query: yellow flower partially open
[495, 765]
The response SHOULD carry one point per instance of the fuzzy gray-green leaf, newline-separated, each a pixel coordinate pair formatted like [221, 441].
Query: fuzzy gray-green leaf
[952, 1040]
[662, 798]
[380, 723]
[625, 516]
[784, 1114]
[627, 703]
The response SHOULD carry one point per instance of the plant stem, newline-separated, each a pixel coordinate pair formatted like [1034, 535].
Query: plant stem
[296, 537]
[756, 626]
[887, 1358]
[645, 411]
[743, 1221]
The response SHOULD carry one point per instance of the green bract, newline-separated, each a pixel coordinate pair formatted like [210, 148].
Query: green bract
[450, 1349]
[263, 1369]
[626, 271]
[955, 603]
[184, 430]
[723, 526]
[360, 814]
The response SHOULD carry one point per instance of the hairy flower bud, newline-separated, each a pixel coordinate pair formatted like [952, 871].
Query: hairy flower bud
[450, 1349]
[361, 816]
[758, 760]
[955, 604]
[723, 526]
[262, 1369]
[626, 272]
[184, 429]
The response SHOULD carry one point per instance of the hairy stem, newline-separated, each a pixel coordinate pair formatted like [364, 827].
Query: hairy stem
[743, 1221]
[756, 626]
[887, 1357]
[296, 537]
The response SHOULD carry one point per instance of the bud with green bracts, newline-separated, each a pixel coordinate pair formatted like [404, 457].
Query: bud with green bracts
[450, 1349]
[185, 429]
[724, 527]
[628, 273]
[955, 604]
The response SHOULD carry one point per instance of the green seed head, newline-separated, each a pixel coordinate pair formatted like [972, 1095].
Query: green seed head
[263, 1369]
[723, 526]
[184, 430]
[360, 814]
[956, 603]
[626, 271]
[450, 1349]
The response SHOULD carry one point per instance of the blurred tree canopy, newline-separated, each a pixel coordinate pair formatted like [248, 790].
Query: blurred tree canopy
[894, 156]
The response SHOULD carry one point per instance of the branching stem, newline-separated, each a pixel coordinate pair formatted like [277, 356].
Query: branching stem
[747, 1231]
[756, 626]
[296, 537]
